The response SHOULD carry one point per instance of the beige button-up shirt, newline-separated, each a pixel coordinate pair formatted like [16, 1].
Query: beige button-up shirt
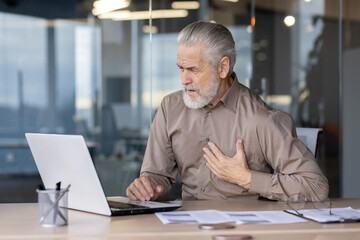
[179, 133]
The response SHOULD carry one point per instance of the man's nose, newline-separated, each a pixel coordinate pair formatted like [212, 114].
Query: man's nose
[185, 78]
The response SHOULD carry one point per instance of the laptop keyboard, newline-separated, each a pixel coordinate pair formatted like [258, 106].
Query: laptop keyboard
[121, 205]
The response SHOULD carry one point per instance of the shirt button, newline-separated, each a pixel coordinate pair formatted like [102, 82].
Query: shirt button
[209, 113]
[207, 139]
[203, 189]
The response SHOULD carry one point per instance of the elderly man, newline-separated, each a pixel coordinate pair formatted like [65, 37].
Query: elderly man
[220, 136]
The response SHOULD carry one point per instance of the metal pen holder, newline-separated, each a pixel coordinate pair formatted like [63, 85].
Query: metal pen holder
[53, 205]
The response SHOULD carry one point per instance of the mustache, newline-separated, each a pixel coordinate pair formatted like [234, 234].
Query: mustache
[190, 87]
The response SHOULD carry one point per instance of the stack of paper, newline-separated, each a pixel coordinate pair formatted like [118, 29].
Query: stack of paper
[239, 217]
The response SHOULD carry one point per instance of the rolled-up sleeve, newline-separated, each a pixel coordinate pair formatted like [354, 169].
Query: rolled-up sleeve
[296, 170]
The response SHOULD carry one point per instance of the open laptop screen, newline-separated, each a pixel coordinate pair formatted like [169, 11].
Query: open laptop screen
[66, 159]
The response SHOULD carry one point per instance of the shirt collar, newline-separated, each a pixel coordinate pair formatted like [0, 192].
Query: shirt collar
[232, 94]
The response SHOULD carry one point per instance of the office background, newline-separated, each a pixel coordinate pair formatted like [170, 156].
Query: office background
[79, 67]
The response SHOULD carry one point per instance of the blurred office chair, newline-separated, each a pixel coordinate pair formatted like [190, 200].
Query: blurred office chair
[309, 136]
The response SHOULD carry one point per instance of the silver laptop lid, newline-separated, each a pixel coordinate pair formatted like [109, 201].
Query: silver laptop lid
[66, 158]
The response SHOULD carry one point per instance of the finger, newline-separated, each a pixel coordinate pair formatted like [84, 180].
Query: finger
[141, 189]
[219, 172]
[130, 194]
[216, 150]
[210, 155]
[213, 161]
[158, 191]
[213, 169]
[136, 192]
[213, 165]
[148, 186]
[239, 145]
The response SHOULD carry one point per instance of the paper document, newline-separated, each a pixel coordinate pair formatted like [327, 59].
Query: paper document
[340, 215]
[204, 216]
[239, 217]
[264, 217]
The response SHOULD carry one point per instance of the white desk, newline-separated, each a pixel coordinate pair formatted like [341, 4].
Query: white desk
[20, 221]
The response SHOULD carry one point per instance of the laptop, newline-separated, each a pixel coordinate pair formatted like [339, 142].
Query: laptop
[66, 158]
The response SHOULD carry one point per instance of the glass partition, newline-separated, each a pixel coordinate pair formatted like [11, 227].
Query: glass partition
[297, 70]
[49, 83]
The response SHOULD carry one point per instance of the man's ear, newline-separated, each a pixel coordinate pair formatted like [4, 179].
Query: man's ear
[224, 67]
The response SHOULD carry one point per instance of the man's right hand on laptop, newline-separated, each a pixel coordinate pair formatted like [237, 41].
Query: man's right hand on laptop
[143, 189]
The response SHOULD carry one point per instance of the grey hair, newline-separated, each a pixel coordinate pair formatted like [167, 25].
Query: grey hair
[218, 39]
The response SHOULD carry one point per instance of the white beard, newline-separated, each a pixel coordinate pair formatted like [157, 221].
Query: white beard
[208, 94]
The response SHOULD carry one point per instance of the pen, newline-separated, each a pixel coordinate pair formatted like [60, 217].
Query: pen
[56, 207]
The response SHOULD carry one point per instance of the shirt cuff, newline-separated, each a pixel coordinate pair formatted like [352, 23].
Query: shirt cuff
[260, 183]
[158, 180]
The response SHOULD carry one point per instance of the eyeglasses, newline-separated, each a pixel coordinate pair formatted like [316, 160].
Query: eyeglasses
[297, 202]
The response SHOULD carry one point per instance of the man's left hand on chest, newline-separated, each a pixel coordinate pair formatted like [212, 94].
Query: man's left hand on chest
[231, 169]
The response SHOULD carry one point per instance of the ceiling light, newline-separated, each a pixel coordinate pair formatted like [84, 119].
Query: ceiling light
[146, 29]
[185, 5]
[128, 15]
[249, 29]
[289, 21]
[104, 6]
